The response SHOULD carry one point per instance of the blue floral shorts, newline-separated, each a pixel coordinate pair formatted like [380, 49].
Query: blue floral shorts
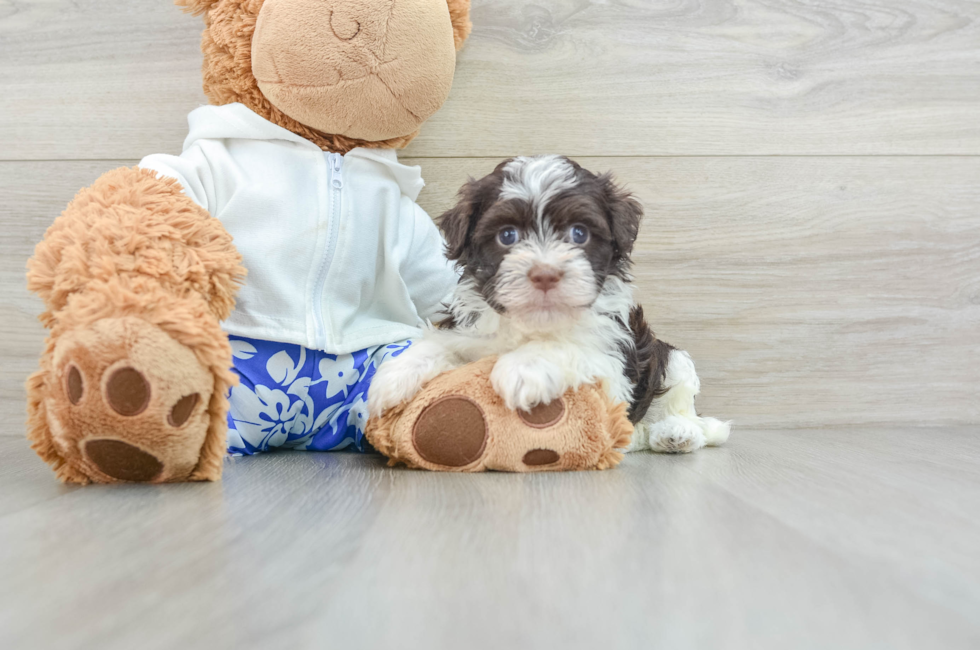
[296, 398]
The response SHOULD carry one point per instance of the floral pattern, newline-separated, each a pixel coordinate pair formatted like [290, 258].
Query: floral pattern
[293, 397]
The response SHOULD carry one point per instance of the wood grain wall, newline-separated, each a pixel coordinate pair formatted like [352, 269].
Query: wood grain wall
[810, 171]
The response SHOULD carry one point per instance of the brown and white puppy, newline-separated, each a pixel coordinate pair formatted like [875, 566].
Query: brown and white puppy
[544, 248]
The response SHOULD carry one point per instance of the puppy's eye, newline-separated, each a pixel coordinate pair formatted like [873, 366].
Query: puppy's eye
[508, 236]
[579, 234]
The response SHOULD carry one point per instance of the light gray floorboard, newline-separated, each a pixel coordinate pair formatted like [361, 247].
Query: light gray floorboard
[861, 538]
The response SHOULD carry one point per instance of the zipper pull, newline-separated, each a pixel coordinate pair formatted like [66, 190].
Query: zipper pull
[338, 181]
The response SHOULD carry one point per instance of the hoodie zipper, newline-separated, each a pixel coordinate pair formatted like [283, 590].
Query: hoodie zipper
[335, 183]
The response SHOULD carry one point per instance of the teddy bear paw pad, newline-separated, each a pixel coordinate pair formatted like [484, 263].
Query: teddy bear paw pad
[451, 432]
[537, 457]
[122, 460]
[543, 416]
[127, 392]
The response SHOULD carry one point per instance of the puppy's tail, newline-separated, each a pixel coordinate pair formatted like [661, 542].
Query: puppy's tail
[716, 431]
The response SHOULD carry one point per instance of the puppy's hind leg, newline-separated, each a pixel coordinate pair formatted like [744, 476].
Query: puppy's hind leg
[672, 425]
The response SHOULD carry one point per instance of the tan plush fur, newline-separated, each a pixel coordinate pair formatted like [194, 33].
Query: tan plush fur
[587, 434]
[228, 78]
[133, 269]
[459, 13]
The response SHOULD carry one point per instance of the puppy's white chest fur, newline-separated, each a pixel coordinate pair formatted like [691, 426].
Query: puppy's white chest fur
[539, 362]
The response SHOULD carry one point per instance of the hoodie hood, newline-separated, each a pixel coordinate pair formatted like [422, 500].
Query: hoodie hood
[236, 121]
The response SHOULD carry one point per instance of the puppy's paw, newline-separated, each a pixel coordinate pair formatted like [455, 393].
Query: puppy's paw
[396, 381]
[524, 381]
[676, 435]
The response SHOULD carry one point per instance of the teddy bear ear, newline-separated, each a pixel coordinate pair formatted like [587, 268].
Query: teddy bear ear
[195, 7]
[459, 12]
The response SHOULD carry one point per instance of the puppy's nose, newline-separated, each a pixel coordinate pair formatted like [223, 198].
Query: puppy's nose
[544, 278]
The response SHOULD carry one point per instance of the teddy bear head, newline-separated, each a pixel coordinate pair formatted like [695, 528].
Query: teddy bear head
[340, 73]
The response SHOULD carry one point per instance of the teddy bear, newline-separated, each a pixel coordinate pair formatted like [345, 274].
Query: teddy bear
[238, 298]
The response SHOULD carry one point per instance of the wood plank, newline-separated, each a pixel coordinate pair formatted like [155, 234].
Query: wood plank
[617, 77]
[848, 538]
[81, 81]
[810, 291]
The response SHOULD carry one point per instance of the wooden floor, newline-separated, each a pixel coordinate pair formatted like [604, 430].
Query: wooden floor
[811, 176]
[783, 539]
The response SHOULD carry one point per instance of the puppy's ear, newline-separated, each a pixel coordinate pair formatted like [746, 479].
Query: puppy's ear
[624, 213]
[455, 222]
[475, 197]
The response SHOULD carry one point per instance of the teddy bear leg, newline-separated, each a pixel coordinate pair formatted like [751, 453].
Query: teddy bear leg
[133, 381]
[458, 423]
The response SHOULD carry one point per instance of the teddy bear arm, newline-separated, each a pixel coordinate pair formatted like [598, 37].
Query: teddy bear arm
[135, 227]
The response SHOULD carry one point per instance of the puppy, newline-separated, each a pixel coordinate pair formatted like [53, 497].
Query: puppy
[544, 248]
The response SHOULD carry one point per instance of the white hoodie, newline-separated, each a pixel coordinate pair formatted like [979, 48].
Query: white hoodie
[339, 256]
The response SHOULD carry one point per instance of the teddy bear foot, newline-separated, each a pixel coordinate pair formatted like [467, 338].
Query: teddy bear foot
[458, 423]
[124, 401]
